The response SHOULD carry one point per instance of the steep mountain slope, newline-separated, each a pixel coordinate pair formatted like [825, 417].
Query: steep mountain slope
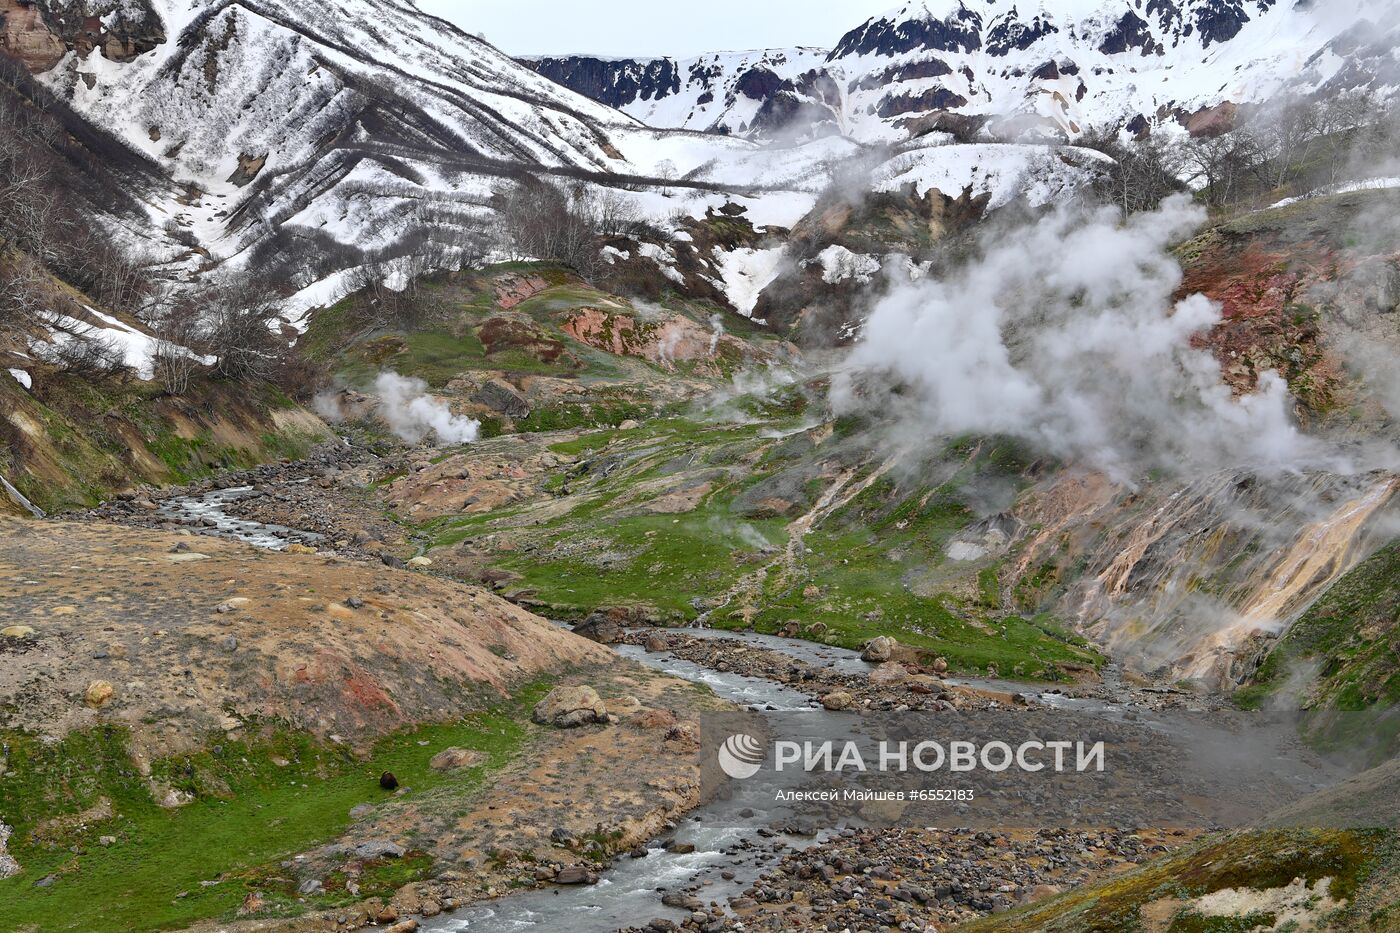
[1044, 68]
[328, 132]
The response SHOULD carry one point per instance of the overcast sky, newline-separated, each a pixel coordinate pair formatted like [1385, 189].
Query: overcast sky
[651, 28]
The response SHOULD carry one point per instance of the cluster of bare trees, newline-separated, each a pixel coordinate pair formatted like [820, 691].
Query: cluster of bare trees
[544, 220]
[236, 324]
[1288, 147]
[44, 232]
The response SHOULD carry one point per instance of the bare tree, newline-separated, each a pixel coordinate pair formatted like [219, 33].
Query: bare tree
[1225, 164]
[174, 320]
[240, 321]
[614, 214]
[24, 292]
[1144, 172]
[85, 353]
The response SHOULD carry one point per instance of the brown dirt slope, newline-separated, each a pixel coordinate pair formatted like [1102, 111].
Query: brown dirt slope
[194, 634]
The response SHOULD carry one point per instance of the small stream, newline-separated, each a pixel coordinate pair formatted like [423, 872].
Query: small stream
[209, 513]
[628, 893]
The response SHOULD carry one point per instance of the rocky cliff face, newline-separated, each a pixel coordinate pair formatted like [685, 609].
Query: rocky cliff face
[752, 94]
[40, 32]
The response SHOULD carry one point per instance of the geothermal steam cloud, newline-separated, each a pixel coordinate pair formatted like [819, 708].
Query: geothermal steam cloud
[408, 410]
[1065, 334]
[413, 414]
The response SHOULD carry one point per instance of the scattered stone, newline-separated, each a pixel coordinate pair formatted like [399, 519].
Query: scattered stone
[8, 866]
[99, 694]
[174, 799]
[456, 759]
[889, 673]
[657, 642]
[355, 602]
[311, 886]
[252, 904]
[418, 563]
[500, 396]
[379, 848]
[566, 707]
[837, 700]
[878, 650]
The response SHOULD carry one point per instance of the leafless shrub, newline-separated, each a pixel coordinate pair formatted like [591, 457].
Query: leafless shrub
[175, 324]
[240, 331]
[24, 292]
[87, 355]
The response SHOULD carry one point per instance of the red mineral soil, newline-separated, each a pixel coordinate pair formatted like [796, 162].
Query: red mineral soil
[511, 289]
[668, 342]
[1268, 280]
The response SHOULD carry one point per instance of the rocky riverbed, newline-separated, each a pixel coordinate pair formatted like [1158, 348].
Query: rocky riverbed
[915, 879]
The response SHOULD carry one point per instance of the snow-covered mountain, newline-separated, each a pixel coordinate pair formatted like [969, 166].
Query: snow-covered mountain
[753, 93]
[1039, 68]
[339, 127]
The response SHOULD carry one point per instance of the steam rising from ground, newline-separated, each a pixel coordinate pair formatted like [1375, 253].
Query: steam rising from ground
[410, 412]
[1065, 334]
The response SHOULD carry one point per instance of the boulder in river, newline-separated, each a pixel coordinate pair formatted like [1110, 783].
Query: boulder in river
[878, 650]
[838, 700]
[601, 629]
[568, 706]
[888, 674]
[575, 874]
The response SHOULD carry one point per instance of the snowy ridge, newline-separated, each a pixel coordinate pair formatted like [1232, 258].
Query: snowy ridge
[745, 93]
[1029, 69]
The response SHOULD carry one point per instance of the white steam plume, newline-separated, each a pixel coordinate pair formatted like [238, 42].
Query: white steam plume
[1065, 334]
[413, 414]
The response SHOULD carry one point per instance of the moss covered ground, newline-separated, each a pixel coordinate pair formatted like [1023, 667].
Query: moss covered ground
[256, 802]
[875, 565]
[1249, 860]
[1342, 650]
